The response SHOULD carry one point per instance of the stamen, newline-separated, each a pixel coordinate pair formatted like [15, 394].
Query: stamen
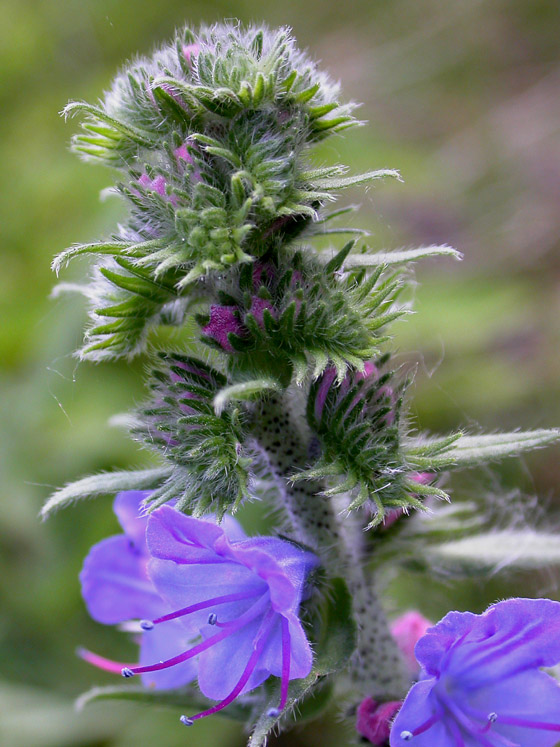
[426, 725]
[258, 645]
[286, 656]
[127, 672]
[146, 624]
[253, 612]
[273, 712]
[212, 618]
[208, 603]
[491, 719]
[406, 736]
[515, 721]
[186, 721]
[100, 662]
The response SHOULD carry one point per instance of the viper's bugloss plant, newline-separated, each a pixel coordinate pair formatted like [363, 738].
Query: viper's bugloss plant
[281, 387]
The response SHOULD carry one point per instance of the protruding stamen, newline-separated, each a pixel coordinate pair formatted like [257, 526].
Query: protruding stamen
[273, 712]
[100, 662]
[491, 719]
[146, 624]
[254, 611]
[212, 618]
[127, 672]
[208, 603]
[258, 645]
[286, 656]
[407, 736]
[186, 721]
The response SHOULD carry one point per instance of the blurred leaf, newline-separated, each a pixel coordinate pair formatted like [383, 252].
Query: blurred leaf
[524, 549]
[106, 483]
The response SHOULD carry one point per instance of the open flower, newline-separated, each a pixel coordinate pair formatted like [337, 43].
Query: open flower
[481, 683]
[234, 599]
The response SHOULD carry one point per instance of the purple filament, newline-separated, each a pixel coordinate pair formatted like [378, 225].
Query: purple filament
[204, 605]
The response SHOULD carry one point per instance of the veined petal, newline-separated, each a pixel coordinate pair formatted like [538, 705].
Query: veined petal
[438, 639]
[115, 583]
[532, 697]
[181, 585]
[173, 536]
[510, 637]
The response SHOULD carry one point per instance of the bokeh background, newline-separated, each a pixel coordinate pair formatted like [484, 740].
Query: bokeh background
[462, 97]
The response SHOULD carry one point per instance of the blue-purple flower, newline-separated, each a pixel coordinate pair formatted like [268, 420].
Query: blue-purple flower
[482, 684]
[212, 603]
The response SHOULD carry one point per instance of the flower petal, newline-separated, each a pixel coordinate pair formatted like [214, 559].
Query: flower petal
[128, 508]
[418, 710]
[221, 667]
[173, 536]
[510, 637]
[162, 643]
[115, 583]
[531, 697]
[301, 656]
[186, 585]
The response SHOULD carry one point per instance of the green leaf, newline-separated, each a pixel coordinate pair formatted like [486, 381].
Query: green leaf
[401, 256]
[105, 483]
[351, 181]
[468, 451]
[523, 549]
[188, 699]
[247, 390]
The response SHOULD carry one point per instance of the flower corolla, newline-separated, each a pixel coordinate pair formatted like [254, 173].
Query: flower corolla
[213, 603]
[482, 684]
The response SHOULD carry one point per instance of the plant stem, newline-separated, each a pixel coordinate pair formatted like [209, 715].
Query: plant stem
[378, 669]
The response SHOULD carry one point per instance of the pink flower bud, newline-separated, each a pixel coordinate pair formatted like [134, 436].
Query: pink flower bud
[374, 720]
[407, 630]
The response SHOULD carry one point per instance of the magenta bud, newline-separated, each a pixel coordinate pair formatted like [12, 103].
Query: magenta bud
[374, 720]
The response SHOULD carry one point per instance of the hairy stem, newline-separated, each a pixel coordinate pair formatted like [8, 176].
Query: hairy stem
[378, 668]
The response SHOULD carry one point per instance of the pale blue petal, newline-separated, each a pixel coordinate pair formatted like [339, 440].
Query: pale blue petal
[510, 637]
[115, 583]
[221, 666]
[185, 585]
[165, 641]
[418, 709]
[128, 508]
[531, 696]
[301, 656]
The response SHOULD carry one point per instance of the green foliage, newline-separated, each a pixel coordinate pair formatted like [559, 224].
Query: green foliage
[206, 449]
[297, 314]
[457, 451]
[358, 426]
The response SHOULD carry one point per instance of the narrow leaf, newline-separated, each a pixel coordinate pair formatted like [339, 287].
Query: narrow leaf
[401, 256]
[244, 391]
[104, 484]
[525, 549]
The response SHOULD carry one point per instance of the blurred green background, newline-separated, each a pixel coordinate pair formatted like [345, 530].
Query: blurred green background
[462, 97]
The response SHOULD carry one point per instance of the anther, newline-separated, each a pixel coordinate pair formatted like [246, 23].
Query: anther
[492, 717]
[146, 624]
[212, 618]
[406, 736]
[127, 672]
[273, 712]
[186, 721]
